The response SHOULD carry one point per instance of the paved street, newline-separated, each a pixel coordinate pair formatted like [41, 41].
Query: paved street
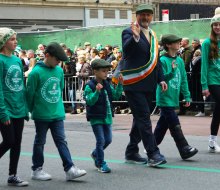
[201, 172]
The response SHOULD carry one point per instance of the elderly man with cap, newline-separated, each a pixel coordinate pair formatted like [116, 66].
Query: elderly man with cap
[13, 108]
[46, 82]
[141, 72]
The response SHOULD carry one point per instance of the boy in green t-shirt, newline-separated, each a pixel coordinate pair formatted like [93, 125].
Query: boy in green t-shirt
[176, 79]
[99, 94]
[44, 96]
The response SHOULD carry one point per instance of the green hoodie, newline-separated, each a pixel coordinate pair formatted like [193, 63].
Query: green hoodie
[44, 93]
[210, 69]
[12, 89]
[176, 80]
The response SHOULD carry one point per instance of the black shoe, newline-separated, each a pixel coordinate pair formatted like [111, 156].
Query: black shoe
[188, 152]
[16, 181]
[135, 159]
[156, 159]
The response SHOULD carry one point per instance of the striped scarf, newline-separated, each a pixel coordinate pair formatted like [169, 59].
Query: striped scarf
[132, 76]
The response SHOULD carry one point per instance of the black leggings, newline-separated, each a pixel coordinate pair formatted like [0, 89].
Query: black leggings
[12, 136]
[215, 92]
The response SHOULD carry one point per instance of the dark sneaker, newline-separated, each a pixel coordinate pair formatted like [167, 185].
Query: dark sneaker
[135, 159]
[94, 159]
[104, 168]
[16, 181]
[156, 160]
[188, 152]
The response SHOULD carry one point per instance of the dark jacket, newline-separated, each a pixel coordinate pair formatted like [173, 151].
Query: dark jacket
[84, 74]
[137, 54]
[186, 56]
[99, 109]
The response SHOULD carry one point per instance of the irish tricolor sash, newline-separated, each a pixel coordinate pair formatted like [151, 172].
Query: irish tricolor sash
[132, 76]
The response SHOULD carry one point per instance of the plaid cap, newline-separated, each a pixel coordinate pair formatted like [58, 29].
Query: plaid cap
[170, 38]
[100, 63]
[57, 51]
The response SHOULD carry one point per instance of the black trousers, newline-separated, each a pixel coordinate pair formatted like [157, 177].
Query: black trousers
[215, 92]
[139, 103]
[12, 136]
[169, 120]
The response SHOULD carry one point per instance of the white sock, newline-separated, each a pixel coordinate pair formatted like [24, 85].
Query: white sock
[212, 140]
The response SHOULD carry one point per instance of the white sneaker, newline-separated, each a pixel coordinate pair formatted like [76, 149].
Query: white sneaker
[200, 114]
[74, 173]
[39, 174]
[214, 148]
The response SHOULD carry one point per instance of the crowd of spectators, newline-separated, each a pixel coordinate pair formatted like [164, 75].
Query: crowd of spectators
[78, 71]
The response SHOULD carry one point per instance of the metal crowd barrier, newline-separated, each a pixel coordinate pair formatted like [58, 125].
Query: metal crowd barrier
[73, 90]
[73, 84]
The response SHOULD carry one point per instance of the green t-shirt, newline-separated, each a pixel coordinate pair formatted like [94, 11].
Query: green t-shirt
[12, 89]
[176, 80]
[44, 93]
[210, 69]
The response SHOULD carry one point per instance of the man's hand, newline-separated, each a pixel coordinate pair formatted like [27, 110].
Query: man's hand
[163, 85]
[205, 93]
[135, 28]
[99, 87]
[120, 78]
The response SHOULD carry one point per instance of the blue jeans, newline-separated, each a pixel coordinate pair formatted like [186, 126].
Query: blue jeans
[72, 97]
[103, 135]
[57, 131]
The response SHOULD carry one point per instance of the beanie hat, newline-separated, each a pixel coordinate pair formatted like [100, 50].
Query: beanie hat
[216, 18]
[5, 35]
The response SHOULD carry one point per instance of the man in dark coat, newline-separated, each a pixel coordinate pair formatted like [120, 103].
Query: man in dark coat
[141, 73]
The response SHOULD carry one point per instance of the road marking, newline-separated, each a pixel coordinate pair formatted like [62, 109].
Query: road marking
[210, 170]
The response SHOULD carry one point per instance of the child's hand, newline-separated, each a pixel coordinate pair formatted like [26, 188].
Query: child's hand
[206, 93]
[99, 87]
[187, 104]
[163, 85]
[120, 78]
[174, 65]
